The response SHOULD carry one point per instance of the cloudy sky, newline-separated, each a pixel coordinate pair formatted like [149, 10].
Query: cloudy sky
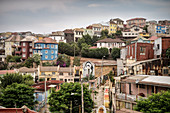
[45, 16]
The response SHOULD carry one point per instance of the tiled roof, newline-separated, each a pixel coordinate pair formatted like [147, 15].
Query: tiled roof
[15, 38]
[136, 19]
[68, 31]
[29, 39]
[117, 19]
[153, 38]
[47, 40]
[96, 25]
[57, 33]
[48, 68]
[6, 71]
[66, 69]
[79, 29]
[109, 40]
[25, 69]
[15, 110]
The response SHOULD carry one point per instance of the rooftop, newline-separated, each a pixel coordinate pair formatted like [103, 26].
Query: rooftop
[109, 40]
[153, 38]
[47, 40]
[6, 71]
[29, 39]
[25, 69]
[136, 19]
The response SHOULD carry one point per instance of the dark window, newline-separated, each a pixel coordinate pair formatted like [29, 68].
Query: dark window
[53, 78]
[140, 86]
[157, 46]
[42, 73]
[165, 71]
[61, 73]
[61, 79]
[53, 73]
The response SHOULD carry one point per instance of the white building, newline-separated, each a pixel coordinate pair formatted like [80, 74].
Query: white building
[58, 36]
[110, 43]
[78, 33]
[132, 32]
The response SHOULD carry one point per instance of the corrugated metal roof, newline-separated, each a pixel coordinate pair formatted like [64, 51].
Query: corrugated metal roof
[158, 79]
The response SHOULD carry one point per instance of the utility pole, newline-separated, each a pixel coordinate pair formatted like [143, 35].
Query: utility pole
[82, 97]
[45, 96]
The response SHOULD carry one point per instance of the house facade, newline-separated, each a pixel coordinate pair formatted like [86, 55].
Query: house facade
[160, 46]
[119, 23]
[141, 22]
[161, 29]
[46, 48]
[26, 48]
[58, 36]
[112, 26]
[69, 35]
[110, 43]
[88, 31]
[78, 33]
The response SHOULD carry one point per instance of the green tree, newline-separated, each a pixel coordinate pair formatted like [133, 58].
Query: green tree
[104, 34]
[70, 93]
[63, 60]
[145, 28]
[11, 78]
[14, 59]
[17, 94]
[111, 76]
[76, 61]
[37, 58]
[80, 42]
[88, 39]
[8, 58]
[118, 33]
[94, 40]
[168, 52]
[47, 64]
[115, 53]
[74, 49]
[156, 103]
[29, 62]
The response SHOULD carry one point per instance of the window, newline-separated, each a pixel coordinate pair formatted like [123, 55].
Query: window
[132, 50]
[52, 56]
[35, 51]
[46, 56]
[42, 73]
[70, 73]
[142, 50]
[30, 44]
[100, 44]
[140, 86]
[23, 50]
[23, 44]
[48, 46]
[53, 73]
[129, 33]
[165, 71]
[61, 79]
[52, 46]
[68, 79]
[30, 50]
[46, 51]
[55, 46]
[30, 55]
[157, 46]
[23, 55]
[61, 73]
[52, 52]
[53, 78]
[111, 29]
[125, 33]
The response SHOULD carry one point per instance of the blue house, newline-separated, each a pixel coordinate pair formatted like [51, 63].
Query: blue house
[47, 48]
[160, 29]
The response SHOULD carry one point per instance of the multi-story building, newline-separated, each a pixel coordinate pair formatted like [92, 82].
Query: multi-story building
[112, 26]
[47, 48]
[161, 29]
[12, 43]
[58, 36]
[66, 74]
[88, 31]
[160, 46]
[132, 32]
[152, 29]
[69, 35]
[105, 25]
[97, 28]
[119, 23]
[26, 48]
[78, 33]
[139, 51]
[110, 43]
[164, 22]
[141, 22]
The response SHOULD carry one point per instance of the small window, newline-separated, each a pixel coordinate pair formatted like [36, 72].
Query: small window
[30, 44]
[55, 46]
[42, 73]
[53, 78]
[46, 56]
[30, 50]
[52, 46]
[70, 73]
[142, 50]
[61, 79]
[52, 56]
[23, 55]
[23, 44]
[61, 73]
[53, 73]
[35, 51]
[30, 55]
[52, 52]
[48, 46]
[157, 46]
[165, 71]
[46, 51]
[23, 50]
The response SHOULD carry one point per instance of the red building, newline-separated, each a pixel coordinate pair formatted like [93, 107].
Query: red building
[26, 47]
[140, 51]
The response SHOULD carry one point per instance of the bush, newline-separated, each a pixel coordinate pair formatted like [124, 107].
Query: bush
[115, 53]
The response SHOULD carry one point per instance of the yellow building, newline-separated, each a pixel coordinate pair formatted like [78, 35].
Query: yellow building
[112, 27]
[146, 35]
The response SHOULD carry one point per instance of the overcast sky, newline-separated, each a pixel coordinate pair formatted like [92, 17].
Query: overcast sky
[45, 16]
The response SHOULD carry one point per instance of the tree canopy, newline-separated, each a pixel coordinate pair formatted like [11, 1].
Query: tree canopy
[63, 60]
[11, 78]
[115, 53]
[168, 52]
[70, 93]
[17, 94]
[156, 103]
